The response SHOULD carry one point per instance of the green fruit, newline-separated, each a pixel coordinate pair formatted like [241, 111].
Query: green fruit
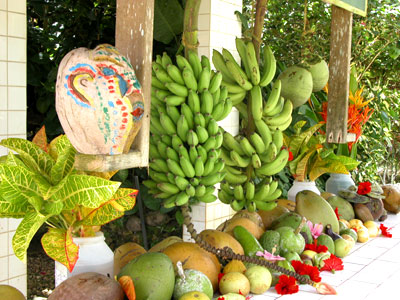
[293, 220]
[194, 296]
[316, 209]
[345, 209]
[297, 85]
[153, 276]
[320, 74]
[292, 256]
[290, 240]
[193, 280]
[342, 247]
[270, 240]
[350, 232]
[234, 282]
[327, 241]
[342, 226]
[260, 279]
[248, 241]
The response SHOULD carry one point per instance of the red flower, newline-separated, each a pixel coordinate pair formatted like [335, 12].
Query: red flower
[220, 275]
[337, 213]
[364, 188]
[290, 156]
[385, 230]
[333, 263]
[221, 298]
[286, 285]
[315, 247]
[303, 269]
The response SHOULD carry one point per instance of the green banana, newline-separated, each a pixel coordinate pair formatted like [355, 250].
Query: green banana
[207, 198]
[215, 82]
[182, 151]
[205, 62]
[273, 98]
[163, 195]
[155, 82]
[212, 127]
[186, 166]
[202, 134]
[211, 179]
[218, 110]
[156, 123]
[153, 151]
[224, 197]
[256, 102]
[269, 66]
[159, 59]
[253, 63]
[192, 138]
[247, 148]
[249, 190]
[225, 155]
[235, 179]
[278, 108]
[195, 62]
[226, 188]
[209, 166]
[194, 181]
[202, 153]
[233, 170]
[277, 138]
[176, 142]
[239, 75]
[283, 116]
[176, 75]
[210, 143]
[150, 184]
[161, 74]
[204, 80]
[241, 161]
[242, 50]
[270, 154]
[257, 142]
[181, 199]
[162, 149]
[237, 205]
[219, 63]
[224, 93]
[190, 190]
[227, 109]
[157, 176]
[172, 154]
[187, 112]
[181, 182]
[182, 62]
[215, 96]
[207, 102]
[193, 154]
[219, 138]
[199, 119]
[200, 190]
[168, 187]
[167, 123]
[256, 161]
[276, 165]
[237, 98]
[273, 196]
[283, 126]
[154, 166]
[265, 205]
[199, 166]
[219, 165]
[165, 60]
[231, 143]
[264, 132]
[189, 79]
[182, 128]
[173, 113]
[261, 193]
[238, 192]
[177, 89]
[169, 202]
[175, 168]
[161, 164]
[233, 88]
[174, 100]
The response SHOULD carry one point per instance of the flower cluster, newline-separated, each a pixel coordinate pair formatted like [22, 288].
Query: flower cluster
[332, 264]
[364, 188]
[315, 247]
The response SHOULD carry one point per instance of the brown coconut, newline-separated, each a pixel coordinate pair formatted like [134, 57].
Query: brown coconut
[392, 198]
[194, 257]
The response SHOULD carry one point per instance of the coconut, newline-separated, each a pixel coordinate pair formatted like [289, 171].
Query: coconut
[297, 85]
[320, 74]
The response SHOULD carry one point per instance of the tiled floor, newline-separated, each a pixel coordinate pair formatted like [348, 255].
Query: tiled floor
[371, 271]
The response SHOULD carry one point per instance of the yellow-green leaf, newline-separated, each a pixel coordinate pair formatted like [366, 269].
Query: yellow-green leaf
[53, 208]
[302, 139]
[65, 160]
[11, 210]
[16, 184]
[302, 165]
[30, 154]
[88, 191]
[122, 200]
[25, 232]
[58, 244]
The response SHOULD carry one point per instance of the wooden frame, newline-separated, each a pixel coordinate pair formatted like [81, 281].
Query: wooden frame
[134, 39]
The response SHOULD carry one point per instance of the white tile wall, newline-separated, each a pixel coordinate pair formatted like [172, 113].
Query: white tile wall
[12, 119]
[218, 27]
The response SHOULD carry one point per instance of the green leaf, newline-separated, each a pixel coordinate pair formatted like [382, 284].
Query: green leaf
[53, 207]
[59, 245]
[11, 210]
[13, 160]
[30, 154]
[65, 160]
[88, 191]
[25, 232]
[302, 139]
[122, 200]
[16, 184]
[179, 217]
[302, 165]
[168, 20]
[36, 202]
[348, 162]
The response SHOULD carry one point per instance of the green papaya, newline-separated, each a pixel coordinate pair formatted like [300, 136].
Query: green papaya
[345, 209]
[327, 241]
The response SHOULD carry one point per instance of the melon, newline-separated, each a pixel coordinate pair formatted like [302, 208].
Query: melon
[297, 85]
[153, 276]
[194, 257]
[320, 74]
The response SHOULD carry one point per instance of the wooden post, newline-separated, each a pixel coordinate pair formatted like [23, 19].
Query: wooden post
[134, 39]
[339, 75]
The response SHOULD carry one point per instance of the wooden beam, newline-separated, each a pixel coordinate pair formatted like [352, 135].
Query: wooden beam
[339, 75]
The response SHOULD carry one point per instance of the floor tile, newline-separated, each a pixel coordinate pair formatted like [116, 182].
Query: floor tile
[355, 259]
[377, 272]
[353, 290]
[384, 242]
[302, 296]
[369, 251]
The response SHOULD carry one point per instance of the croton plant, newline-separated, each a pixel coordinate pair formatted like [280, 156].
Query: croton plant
[38, 183]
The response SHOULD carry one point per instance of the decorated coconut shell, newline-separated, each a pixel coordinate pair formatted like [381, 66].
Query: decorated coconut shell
[99, 100]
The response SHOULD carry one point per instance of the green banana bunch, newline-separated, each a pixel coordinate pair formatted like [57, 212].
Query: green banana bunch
[185, 142]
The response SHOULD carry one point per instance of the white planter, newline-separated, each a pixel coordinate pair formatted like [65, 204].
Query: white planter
[299, 186]
[94, 256]
[337, 182]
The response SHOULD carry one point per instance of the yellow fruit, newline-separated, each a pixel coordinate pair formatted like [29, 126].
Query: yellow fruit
[362, 234]
[345, 222]
[355, 223]
[372, 227]
[10, 293]
[349, 238]
[194, 296]
[234, 266]
[290, 205]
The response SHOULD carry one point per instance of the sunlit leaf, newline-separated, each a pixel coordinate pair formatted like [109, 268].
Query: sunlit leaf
[301, 139]
[25, 232]
[11, 210]
[16, 184]
[88, 191]
[30, 154]
[58, 244]
[122, 200]
[302, 165]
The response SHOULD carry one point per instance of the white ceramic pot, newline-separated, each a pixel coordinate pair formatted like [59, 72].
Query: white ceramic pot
[299, 186]
[94, 256]
[337, 182]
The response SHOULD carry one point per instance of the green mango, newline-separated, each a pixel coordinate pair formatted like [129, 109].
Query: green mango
[345, 209]
[327, 241]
